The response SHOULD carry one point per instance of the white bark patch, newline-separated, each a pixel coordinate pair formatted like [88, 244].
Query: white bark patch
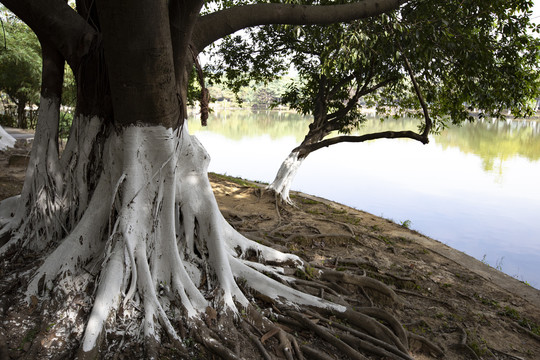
[76, 159]
[42, 190]
[285, 176]
[84, 243]
[166, 242]
[6, 140]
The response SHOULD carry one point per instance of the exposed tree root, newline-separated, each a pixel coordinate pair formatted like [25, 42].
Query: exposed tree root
[161, 255]
[318, 236]
[506, 354]
[430, 345]
[265, 355]
[365, 341]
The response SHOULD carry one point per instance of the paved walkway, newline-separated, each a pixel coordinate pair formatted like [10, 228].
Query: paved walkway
[20, 133]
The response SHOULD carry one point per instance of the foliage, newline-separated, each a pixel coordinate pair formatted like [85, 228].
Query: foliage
[464, 56]
[20, 62]
[472, 54]
[256, 95]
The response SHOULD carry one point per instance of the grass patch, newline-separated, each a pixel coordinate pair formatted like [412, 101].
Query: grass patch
[309, 201]
[236, 180]
[523, 321]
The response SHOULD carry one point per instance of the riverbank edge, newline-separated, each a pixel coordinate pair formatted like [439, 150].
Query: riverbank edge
[502, 280]
[496, 277]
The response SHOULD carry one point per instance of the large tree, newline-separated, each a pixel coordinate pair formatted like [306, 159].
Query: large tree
[124, 223]
[427, 63]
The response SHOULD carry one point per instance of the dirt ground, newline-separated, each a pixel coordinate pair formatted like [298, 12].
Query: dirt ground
[458, 303]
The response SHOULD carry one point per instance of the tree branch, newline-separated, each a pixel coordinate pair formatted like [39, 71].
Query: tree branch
[359, 93]
[54, 21]
[429, 123]
[361, 138]
[340, 84]
[221, 23]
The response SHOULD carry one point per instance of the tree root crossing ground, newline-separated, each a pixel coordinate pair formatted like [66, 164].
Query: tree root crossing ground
[353, 287]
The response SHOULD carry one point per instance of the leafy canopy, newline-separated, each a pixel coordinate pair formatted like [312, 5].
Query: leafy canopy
[464, 55]
[20, 61]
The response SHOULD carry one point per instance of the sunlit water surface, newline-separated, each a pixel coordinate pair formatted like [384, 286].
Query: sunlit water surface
[475, 188]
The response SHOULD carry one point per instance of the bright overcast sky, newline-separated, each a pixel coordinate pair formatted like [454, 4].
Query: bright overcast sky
[536, 11]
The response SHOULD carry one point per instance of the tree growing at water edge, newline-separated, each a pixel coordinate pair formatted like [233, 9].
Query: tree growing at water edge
[429, 64]
[121, 233]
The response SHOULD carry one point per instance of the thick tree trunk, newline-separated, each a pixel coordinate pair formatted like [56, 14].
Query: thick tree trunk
[35, 217]
[145, 245]
[21, 114]
[289, 167]
[285, 176]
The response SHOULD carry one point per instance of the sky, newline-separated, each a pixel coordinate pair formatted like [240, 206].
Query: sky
[536, 11]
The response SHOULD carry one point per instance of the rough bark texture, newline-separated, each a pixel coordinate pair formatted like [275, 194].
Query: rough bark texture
[123, 229]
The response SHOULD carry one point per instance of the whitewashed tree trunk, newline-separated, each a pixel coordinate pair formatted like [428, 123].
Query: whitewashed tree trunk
[31, 215]
[153, 223]
[56, 191]
[6, 140]
[285, 176]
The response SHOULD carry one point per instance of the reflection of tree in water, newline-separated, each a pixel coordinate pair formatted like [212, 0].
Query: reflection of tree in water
[495, 142]
[237, 124]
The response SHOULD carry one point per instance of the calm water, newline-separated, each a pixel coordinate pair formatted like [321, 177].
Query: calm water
[475, 188]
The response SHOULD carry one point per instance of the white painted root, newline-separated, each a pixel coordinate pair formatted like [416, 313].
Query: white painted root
[52, 202]
[6, 140]
[41, 200]
[168, 247]
[285, 176]
[79, 248]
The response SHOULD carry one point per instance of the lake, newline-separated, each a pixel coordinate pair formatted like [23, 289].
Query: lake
[476, 188]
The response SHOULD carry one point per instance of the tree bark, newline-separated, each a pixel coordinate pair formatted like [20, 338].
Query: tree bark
[21, 113]
[140, 65]
[183, 17]
[143, 232]
[225, 22]
[57, 22]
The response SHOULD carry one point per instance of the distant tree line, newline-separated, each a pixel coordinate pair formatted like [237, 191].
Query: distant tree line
[257, 95]
[20, 77]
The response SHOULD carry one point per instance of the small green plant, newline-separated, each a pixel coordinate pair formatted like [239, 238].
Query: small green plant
[477, 344]
[499, 264]
[306, 274]
[29, 337]
[236, 180]
[406, 224]
[309, 201]
[386, 240]
[489, 302]
[522, 321]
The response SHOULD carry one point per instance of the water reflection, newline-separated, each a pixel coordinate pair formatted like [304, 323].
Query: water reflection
[493, 141]
[473, 187]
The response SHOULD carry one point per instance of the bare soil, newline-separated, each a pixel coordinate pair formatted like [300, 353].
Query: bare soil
[459, 304]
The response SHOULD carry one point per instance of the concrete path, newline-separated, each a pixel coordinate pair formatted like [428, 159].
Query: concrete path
[20, 133]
